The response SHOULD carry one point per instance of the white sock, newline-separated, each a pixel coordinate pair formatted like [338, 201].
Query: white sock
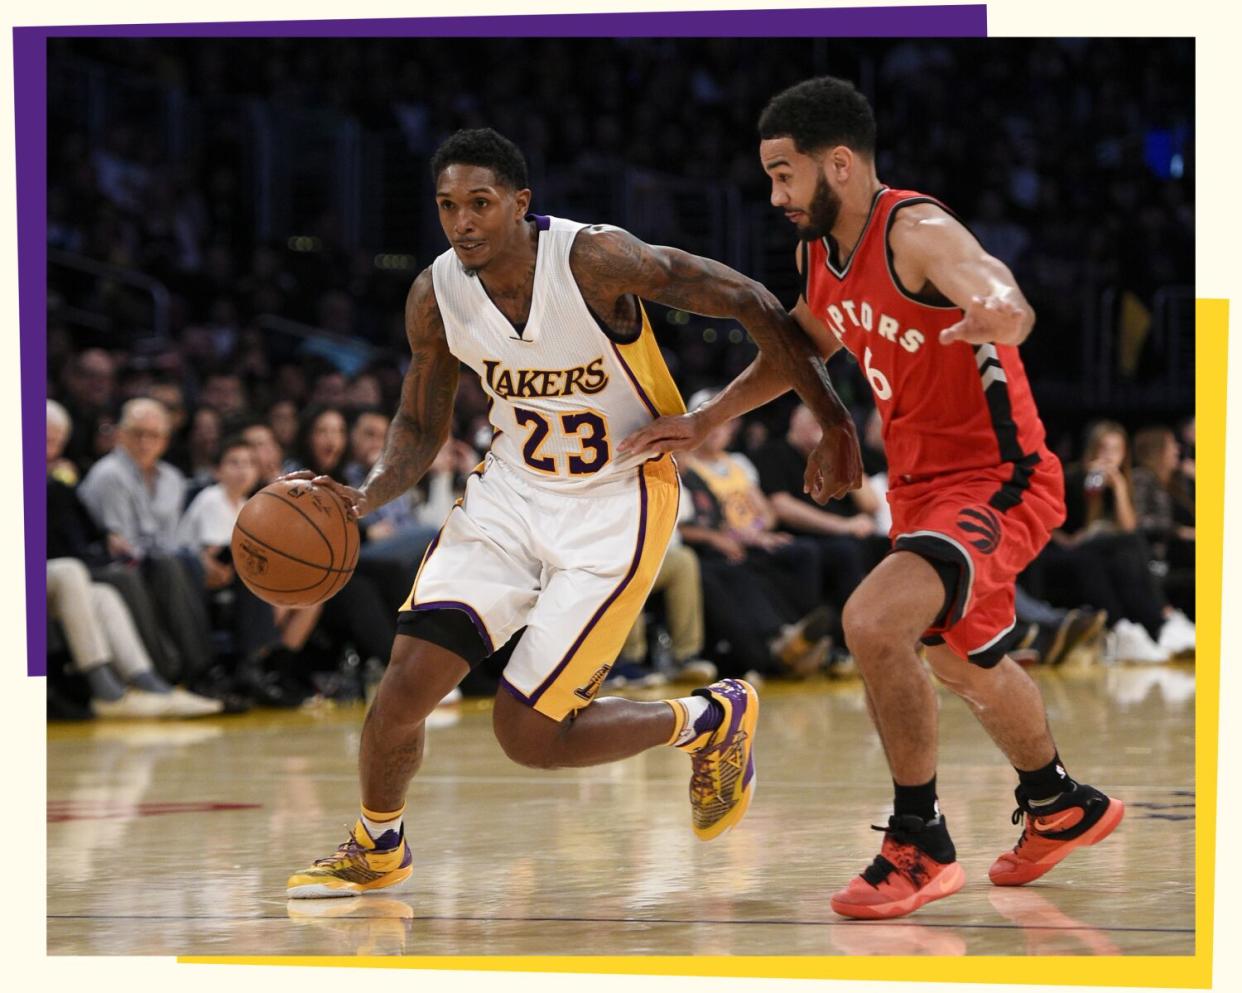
[375, 828]
[696, 707]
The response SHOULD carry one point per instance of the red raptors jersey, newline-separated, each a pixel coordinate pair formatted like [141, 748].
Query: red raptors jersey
[945, 408]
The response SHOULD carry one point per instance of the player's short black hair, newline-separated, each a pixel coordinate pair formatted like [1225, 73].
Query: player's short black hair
[820, 113]
[482, 147]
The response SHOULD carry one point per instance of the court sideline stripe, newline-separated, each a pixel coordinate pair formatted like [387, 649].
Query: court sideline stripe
[637, 920]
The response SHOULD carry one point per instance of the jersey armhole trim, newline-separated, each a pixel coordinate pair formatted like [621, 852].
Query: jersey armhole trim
[888, 255]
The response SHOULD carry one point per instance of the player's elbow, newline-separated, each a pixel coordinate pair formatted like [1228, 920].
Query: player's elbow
[756, 304]
[1027, 321]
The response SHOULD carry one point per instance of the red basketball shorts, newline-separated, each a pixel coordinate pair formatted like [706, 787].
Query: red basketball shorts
[979, 529]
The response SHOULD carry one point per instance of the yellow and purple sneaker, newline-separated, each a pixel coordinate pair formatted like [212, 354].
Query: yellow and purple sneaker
[722, 780]
[358, 866]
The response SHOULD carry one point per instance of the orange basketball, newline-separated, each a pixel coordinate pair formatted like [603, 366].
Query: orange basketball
[294, 545]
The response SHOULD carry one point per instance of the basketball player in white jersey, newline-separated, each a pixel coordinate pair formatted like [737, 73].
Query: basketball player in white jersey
[556, 533]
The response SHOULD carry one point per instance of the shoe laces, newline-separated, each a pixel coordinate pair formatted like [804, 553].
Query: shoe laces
[879, 869]
[702, 779]
[701, 785]
[348, 850]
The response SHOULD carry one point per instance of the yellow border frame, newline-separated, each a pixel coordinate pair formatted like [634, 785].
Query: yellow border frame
[1184, 971]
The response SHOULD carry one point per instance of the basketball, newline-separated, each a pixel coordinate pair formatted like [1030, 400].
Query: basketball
[294, 545]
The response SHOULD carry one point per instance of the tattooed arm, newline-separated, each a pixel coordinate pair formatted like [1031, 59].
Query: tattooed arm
[609, 263]
[423, 420]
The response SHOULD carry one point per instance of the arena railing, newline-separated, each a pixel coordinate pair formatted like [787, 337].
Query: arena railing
[153, 288]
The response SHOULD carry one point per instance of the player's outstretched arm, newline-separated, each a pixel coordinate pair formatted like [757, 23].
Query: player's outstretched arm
[420, 427]
[932, 247]
[424, 417]
[610, 262]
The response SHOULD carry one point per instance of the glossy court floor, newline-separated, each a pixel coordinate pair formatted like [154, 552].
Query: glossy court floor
[177, 838]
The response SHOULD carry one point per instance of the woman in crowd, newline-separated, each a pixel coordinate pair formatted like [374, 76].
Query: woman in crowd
[1165, 508]
[1100, 553]
[364, 612]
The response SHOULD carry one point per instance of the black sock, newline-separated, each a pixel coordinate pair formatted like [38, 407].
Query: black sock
[1047, 783]
[104, 683]
[917, 800]
[150, 682]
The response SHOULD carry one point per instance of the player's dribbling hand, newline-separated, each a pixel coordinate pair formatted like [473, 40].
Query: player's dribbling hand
[354, 500]
[673, 433]
[988, 319]
[834, 467]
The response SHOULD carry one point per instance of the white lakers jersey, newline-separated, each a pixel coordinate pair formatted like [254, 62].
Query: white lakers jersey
[563, 393]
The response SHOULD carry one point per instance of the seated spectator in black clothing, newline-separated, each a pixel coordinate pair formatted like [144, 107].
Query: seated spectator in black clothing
[282, 417]
[321, 443]
[59, 431]
[761, 587]
[364, 612]
[1165, 507]
[841, 529]
[1099, 555]
[266, 639]
[89, 384]
[137, 500]
[206, 428]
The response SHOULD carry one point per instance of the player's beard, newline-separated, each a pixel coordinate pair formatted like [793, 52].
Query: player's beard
[822, 212]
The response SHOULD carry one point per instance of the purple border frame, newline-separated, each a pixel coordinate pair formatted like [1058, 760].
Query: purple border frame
[30, 125]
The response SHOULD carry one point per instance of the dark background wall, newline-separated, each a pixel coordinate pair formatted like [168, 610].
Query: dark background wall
[257, 204]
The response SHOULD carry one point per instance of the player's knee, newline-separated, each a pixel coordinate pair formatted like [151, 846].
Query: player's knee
[867, 631]
[526, 737]
[408, 692]
[531, 752]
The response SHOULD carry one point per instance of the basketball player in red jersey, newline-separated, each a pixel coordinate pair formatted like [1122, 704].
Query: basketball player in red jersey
[935, 322]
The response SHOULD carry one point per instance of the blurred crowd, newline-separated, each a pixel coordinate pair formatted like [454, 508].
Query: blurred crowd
[1073, 161]
[140, 518]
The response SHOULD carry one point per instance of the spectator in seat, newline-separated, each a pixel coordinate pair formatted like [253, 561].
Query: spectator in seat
[266, 638]
[680, 584]
[89, 597]
[269, 457]
[1099, 553]
[761, 586]
[839, 530]
[137, 500]
[1165, 508]
[364, 612]
[109, 653]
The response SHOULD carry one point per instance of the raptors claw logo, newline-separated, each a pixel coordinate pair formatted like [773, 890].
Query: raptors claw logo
[982, 522]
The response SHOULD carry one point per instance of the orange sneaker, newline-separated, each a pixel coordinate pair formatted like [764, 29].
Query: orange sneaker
[1081, 816]
[916, 865]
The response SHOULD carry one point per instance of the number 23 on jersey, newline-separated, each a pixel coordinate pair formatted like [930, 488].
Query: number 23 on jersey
[590, 429]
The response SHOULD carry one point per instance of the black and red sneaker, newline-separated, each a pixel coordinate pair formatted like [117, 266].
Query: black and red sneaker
[916, 865]
[1078, 817]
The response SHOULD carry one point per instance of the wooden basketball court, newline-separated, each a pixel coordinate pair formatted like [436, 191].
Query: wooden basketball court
[176, 838]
